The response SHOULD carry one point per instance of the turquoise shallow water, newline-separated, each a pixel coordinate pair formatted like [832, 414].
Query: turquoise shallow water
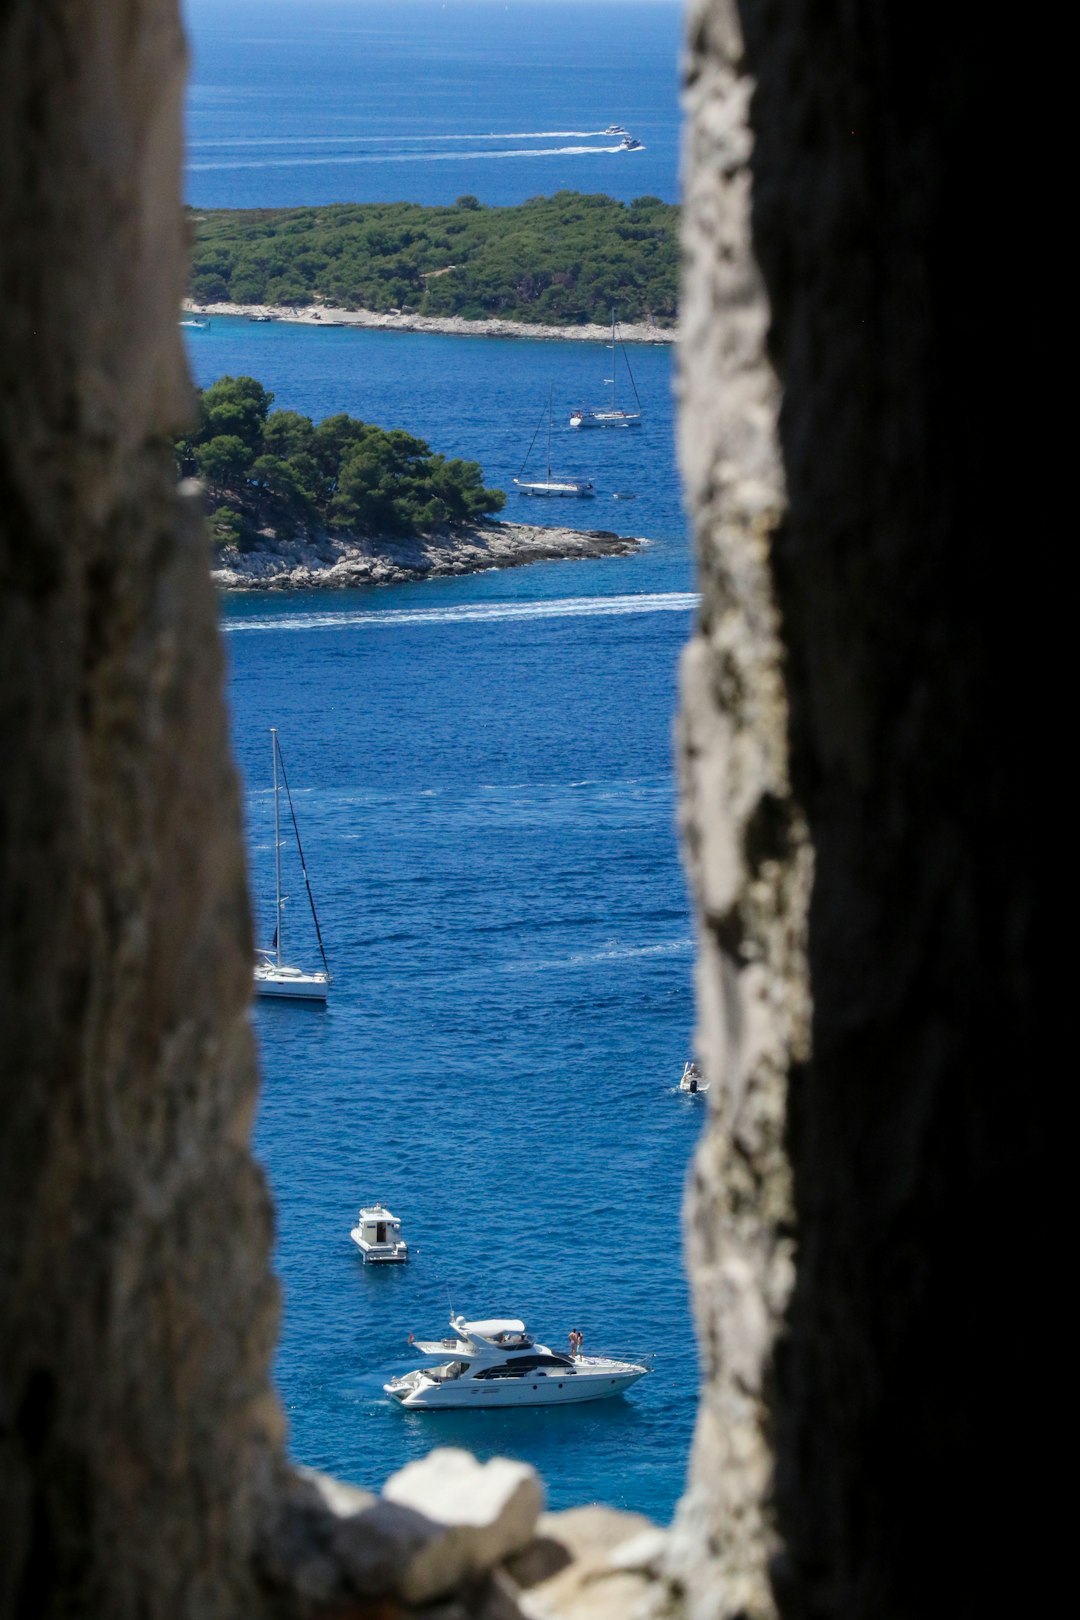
[482, 769]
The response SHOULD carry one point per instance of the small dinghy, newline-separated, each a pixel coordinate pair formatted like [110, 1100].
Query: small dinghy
[693, 1082]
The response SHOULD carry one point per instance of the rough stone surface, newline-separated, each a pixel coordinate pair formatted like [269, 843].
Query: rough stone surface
[592, 1563]
[867, 1215]
[484, 1511]
[138, 1431]
[854, 688]
[745, 844]
[337, 564]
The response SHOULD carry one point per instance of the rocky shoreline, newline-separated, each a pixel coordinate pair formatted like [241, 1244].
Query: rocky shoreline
[451, 325]
[331, 563]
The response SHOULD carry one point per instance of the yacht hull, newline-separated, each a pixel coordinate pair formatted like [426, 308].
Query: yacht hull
[503, 1392]
[381, 1254]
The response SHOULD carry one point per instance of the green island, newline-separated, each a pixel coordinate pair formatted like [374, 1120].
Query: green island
[268, 471]
[564, 260]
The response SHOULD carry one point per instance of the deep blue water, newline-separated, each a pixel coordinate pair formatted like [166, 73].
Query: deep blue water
[482, 770]
[295, 102]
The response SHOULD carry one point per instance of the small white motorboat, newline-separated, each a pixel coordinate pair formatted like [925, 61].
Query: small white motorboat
[496, 1363]
[377, 1234]
[693, 1081]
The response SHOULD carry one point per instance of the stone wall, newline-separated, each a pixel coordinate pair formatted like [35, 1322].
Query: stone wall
[867, 1211]
[854, 1213]
[137, 1426]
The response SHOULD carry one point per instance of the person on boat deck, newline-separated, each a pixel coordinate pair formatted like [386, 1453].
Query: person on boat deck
[575, 1343]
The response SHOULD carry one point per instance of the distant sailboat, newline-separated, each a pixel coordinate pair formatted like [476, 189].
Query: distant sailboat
[553, 484]
[273, 975]
[610, 416]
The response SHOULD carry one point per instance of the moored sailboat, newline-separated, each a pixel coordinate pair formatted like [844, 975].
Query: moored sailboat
[611, 416]
[552, 484]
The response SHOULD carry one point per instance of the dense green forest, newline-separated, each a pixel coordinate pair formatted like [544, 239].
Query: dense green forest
[278, 470]
[562, 260]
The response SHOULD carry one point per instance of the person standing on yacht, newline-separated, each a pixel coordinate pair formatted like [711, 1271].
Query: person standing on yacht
[575, 1343]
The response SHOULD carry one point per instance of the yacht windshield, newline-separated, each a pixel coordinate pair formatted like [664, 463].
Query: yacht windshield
[527, 1364]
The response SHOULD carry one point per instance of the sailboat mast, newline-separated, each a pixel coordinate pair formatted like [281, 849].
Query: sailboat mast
[614, 358]
[277, 849]
[550, 388]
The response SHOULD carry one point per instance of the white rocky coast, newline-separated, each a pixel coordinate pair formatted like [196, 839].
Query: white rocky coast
[322, 315]
[332, 563]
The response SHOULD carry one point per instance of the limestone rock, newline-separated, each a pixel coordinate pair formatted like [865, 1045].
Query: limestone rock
[455, 1517]
[606, 1571]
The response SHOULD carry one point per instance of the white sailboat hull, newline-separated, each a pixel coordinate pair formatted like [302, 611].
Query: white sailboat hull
[605, 419]
[556, 490]
[291, 983]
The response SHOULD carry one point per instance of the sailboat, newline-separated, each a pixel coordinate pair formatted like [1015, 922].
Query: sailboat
[556, 484]
[273, 975]
[610, 416]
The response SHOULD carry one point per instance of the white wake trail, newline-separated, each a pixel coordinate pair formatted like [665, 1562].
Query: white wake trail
[569, 607]
[398, 140]
[398, 157]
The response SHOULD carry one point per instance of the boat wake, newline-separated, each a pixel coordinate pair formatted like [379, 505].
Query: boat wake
[570, 607]
[398, 140]
[397, 157]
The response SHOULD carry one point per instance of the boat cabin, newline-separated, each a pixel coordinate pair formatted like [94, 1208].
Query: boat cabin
[377, 1234]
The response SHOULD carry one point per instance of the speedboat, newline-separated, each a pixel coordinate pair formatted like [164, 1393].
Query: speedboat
[693, 1081]
[495, 1362]
[630, 144]
[377, 1234]
[615, 129]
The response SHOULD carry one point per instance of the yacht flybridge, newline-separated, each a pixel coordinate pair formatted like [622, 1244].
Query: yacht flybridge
[497, 1363]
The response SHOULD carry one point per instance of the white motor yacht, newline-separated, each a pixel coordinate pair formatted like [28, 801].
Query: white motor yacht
[497, 1363]
[377, 1234]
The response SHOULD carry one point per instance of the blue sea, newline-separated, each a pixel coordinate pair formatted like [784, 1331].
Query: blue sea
[482, 774]
[295, 102]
